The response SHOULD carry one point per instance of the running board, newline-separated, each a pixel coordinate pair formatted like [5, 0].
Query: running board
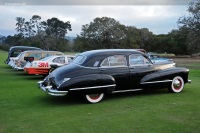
[127, 90]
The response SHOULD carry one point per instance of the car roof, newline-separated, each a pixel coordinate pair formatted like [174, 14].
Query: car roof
[24, 47]
[110, 52]
[36, 51]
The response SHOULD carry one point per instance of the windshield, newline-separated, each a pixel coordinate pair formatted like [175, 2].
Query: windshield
[79, 59]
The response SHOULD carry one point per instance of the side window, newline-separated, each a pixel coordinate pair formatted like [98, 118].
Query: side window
[59, 60]
[116, 60]
[137, 59]
[35, 55]
[47, 55]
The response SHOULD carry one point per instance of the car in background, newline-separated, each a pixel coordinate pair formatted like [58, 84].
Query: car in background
[33, 55]
[92, 74]
[16, 50]
[156, 59]
[43, 66]
[13, 60]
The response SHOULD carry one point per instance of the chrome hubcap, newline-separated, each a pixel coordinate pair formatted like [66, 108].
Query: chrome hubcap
[176, 83]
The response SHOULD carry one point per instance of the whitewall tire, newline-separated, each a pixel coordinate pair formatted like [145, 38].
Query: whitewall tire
[94, 98]
[177, 85]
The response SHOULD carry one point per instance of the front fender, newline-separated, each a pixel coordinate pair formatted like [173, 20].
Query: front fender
[163, 78]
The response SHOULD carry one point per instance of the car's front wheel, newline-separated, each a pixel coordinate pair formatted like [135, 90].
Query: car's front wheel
[94, 98]
[177, 85]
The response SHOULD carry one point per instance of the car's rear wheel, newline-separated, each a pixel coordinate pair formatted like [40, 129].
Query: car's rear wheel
[94, 98]
[177, 85]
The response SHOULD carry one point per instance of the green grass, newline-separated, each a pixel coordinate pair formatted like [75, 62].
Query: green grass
[26, 109]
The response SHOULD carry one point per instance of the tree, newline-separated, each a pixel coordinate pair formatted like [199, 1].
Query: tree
[103, 33]
[20, 25]
[29, 31]
[57, 28]
[192, 23]
[35, 20]
[107, 33]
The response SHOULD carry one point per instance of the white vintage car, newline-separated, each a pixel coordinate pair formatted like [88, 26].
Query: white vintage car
[43, 66]
[13, 60]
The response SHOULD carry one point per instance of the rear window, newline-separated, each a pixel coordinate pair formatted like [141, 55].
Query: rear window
[79, 59]
[15, 53]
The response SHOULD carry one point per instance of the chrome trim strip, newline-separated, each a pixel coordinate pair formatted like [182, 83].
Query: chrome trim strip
[18, 68]
[156, 82]
[93, 87]
[89, 67]
[126, 90]
[113, 66]
[133, 66]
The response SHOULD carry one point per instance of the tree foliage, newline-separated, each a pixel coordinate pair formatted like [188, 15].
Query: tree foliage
[192, 24]
[107, 33]
[48, 35]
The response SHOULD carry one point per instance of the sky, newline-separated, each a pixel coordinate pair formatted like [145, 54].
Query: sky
[158, 18]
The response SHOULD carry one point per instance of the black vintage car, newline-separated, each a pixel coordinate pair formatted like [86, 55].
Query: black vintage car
[95, 73]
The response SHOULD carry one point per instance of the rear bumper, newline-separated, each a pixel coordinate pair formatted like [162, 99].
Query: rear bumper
[50, 91]
[18, 68]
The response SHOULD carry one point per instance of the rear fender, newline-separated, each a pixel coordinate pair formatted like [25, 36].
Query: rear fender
[94, 83]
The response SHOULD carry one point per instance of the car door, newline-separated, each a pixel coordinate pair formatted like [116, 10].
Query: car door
[140, 66]
[117, 67]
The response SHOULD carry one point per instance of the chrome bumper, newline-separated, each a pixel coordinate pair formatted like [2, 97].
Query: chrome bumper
[50, 91]
[18, 68]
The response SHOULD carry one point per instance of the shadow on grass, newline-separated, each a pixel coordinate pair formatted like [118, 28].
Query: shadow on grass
[79, 100]
[66, 100]
[141, 93]
[5, 67]
[30, 77]
[27, 76]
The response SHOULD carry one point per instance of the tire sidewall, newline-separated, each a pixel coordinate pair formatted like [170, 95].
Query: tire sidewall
[96, 100]
[173, 89]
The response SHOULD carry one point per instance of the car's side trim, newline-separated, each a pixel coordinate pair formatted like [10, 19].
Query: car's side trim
[126, 90]
[93, 87]
[156, 82]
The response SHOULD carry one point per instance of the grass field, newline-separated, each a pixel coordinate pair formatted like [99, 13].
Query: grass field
[26, 109]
